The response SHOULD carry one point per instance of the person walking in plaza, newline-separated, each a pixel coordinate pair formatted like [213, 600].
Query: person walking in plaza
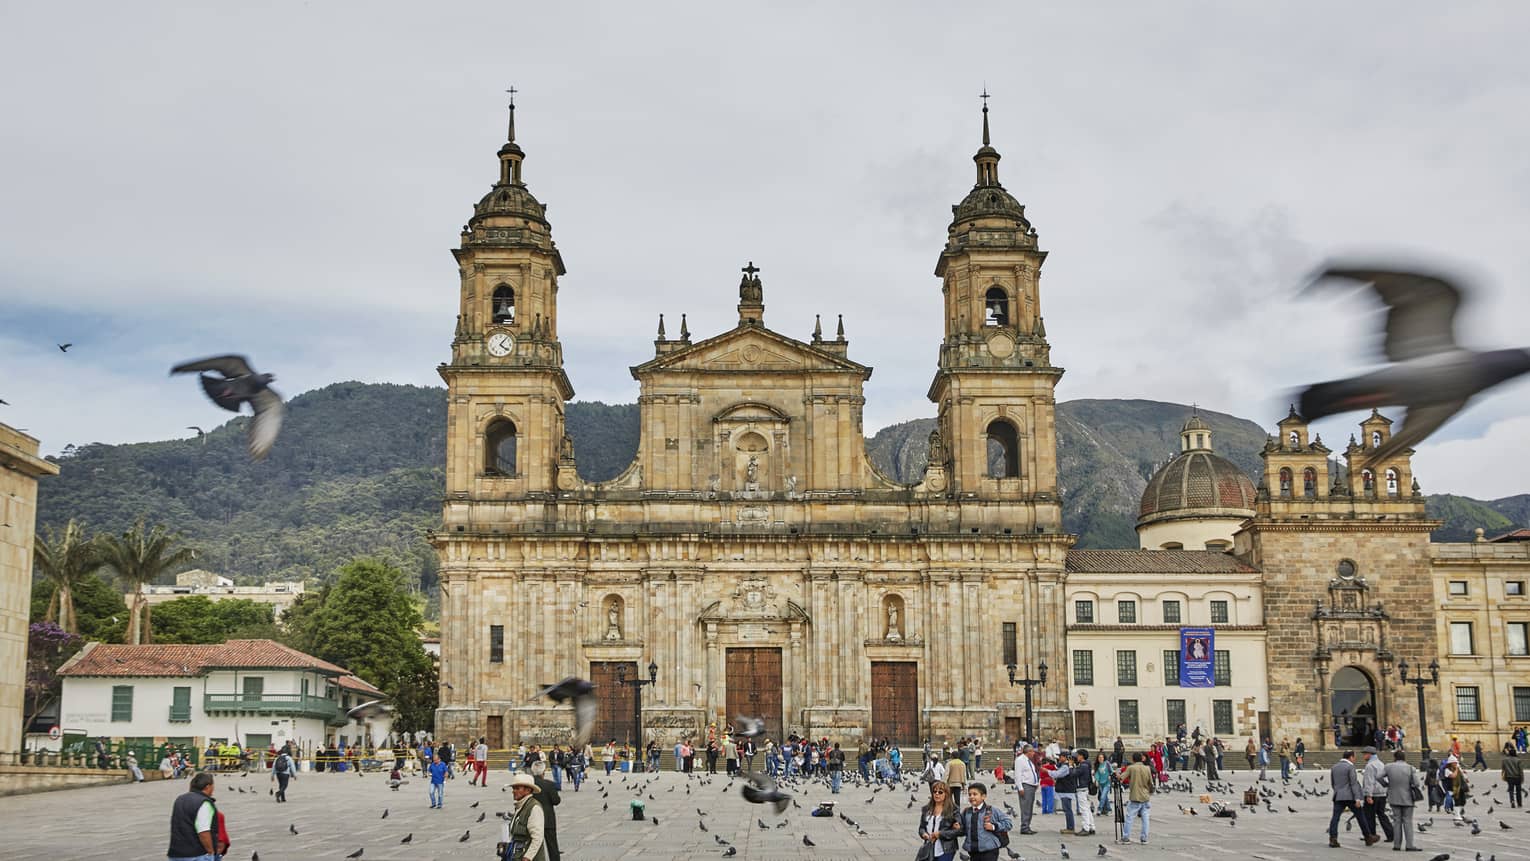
[548, 796]
[1513, 773]
[1479, 763]
[481, 763]
[1102, 773]
[528, 824]
[1139, 779]
[1399, 777]
[938, 822]
[836, 768]
[439, 770]
[608, 755]
[1250, 752]
[730, 755]
[1457, 788]
[1373, 780]
[1344, 783]
[1083, 781]
[956, 771]
[194, 823]
[1299, 753]
[1027, 783]
[1285, 759]
[981, 824]
[282, 771]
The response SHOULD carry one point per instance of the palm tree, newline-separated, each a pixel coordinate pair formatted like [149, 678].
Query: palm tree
[65, 558]
[140, 556]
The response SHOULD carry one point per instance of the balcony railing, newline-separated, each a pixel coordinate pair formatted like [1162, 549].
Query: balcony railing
[301, 705]
[180, 714]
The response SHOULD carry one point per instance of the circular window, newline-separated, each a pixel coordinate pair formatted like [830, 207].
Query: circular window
[1346, 569]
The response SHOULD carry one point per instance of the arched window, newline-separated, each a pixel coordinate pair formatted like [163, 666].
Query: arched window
[1309, 482]
[1391, 482]
[504, 304]
[1296, 439]
[1172, 545]
[1285, 482]
[997, 303]
[1003, 450]
[1367, 481]
[499, 448]
[1375, 439]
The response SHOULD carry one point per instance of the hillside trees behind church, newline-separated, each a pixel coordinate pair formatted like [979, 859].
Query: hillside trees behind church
[199, 619]
[368, 621]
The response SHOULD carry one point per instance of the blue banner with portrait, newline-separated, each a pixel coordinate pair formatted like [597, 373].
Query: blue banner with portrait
[1196, 647]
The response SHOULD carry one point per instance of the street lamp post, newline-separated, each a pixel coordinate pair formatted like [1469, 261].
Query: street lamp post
[1418, 682]
[1028, 683]
[637, 706]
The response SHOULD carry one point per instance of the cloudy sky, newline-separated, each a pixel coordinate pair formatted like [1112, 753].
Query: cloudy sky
[286, 180]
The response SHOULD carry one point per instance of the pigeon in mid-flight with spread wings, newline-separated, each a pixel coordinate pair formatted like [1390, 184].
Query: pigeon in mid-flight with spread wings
[237, 384]
[582, 692]
[1430, 374]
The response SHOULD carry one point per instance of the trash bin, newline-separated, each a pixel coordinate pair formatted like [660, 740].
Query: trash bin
[626, 765]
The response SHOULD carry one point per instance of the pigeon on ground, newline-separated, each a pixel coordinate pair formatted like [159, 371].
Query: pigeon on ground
[806, 841]
[730, 852]
[1065, 850]
[408, 838]
[761, 789]
[1101, 853]
[292, 828]
[464, 837]
[482, 816]
[763, 826]
[703, 825]
[385, 813]
[1430, 374]
[357, 853]
[240, 384]
[582, 692]
[474, 805]
[254, 856]
[655, 819]
[1443, 856]
[1504, 825]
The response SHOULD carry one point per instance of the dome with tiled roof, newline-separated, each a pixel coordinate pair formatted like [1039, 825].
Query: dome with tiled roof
[1197, 499]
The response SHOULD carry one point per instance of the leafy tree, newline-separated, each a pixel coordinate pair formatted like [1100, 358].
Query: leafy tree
[64, 558]
[199, 619]
[300, 619]
[48, 647]
[98, 607]
[139, 557]
[368, 622]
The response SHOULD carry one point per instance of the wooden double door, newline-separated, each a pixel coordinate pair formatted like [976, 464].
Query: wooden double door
[895, 701]
[754, 688]
[613, 717]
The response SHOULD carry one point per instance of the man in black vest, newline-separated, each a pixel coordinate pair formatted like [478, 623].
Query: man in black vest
[194, 823]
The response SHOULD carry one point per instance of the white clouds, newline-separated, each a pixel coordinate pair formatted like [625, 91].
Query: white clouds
[179, 170]
[1492, 466]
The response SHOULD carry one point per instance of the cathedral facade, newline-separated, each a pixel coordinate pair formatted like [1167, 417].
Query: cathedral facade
[751, 560]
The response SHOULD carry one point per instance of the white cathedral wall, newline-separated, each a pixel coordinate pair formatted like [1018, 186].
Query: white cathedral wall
[1190, 533]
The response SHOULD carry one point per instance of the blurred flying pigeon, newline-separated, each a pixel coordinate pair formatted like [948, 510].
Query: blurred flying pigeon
[237, 385]
[582, 692]
[1430, 374]
[761, 789]
[64, 348]
[748, 727]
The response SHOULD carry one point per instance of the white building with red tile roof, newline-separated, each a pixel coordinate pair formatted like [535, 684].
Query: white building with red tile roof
[257, 693]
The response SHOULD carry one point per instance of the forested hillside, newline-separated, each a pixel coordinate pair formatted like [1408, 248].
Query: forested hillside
[358, 472]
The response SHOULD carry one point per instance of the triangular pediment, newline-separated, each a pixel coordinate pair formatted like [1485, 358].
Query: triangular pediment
[750, 348]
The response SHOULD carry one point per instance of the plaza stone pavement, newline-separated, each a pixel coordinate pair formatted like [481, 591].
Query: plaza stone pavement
[336, 814]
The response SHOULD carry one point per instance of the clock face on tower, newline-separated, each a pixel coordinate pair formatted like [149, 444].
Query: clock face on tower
[501, 344]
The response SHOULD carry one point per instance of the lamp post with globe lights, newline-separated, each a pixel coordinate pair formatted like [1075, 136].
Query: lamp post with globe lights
[1418, 683]
[1028, 683]
[637, 706]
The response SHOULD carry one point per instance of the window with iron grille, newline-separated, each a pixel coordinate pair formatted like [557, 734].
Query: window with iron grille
[1126, 667]
[1171, 612]
[1083, 612]
[1083, 667]
[496, 644]
[1221, 668]
[1175, 712]
[1010, 651]
[122, 702]
[1467, 708]
[1522, 705]
[1171, 668]
[1219, 612]
[1128, 717]
[1221, 717]
[1126, 612]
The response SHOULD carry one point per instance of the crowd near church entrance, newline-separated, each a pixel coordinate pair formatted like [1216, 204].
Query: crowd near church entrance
[1354, 708]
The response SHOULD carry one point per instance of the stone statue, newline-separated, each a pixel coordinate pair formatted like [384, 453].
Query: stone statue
[566, 448]
[791, 484]
[893, 634]
[937, 447]
[613, 622]
[752, 471]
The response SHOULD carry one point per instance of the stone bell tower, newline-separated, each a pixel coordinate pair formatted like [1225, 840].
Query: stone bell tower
[506, 381]
[995, 383]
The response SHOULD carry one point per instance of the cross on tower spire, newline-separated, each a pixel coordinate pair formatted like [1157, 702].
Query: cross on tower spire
[985, 97]
[512, 91]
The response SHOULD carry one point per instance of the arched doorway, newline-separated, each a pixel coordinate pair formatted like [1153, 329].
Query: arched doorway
[1353, 708]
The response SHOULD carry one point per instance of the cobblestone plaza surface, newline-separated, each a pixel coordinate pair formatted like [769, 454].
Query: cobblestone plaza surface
[337, 814]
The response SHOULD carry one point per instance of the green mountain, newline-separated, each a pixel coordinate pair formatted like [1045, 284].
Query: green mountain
[358, 472]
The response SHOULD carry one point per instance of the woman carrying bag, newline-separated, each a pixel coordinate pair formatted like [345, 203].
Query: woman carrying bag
[938, 825]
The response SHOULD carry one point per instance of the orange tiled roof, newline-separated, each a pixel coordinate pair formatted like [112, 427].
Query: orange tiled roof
[1156, 562]
[358, 684]
[1516, 535]
[115, 659]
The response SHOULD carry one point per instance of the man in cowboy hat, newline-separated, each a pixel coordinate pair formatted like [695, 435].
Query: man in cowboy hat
[525, 829]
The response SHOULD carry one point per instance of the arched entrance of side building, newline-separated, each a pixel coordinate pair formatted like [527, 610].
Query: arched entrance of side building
[1352, 708]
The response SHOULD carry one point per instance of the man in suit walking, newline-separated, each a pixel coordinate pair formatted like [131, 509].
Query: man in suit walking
[1398, 778]
[1344, 781]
